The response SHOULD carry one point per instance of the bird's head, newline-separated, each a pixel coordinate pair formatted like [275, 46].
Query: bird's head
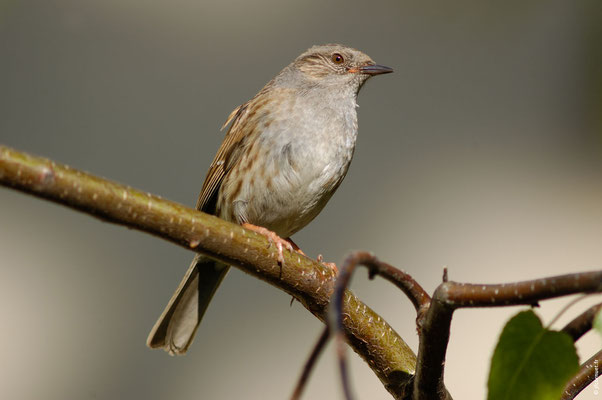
[337, 65]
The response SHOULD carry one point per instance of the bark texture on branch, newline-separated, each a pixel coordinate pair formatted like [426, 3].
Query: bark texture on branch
[307, 280]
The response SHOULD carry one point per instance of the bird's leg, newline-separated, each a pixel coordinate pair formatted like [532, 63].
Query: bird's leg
[273, 238]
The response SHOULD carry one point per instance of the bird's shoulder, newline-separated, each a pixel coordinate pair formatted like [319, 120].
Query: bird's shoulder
[243, 121]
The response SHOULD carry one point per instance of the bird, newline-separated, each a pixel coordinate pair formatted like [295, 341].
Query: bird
[284, 155]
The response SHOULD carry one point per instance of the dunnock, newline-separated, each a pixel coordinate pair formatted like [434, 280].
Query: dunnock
[285, 154]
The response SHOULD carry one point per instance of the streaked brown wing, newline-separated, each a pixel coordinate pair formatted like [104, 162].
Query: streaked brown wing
[218, 168]
[231, 148]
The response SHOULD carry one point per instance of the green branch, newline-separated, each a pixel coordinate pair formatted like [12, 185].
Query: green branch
[307, 280]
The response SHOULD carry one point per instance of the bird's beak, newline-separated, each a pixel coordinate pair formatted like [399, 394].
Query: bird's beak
[372, 69]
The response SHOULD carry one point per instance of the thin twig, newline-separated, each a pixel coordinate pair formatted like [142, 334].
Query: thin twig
[307, 280]
[405, 282]
[582, 324]
[336, 319]
[588, 372]
[463, 295]
[310, 363]
[342, 357]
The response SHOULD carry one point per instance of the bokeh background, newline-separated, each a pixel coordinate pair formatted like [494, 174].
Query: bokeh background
[482, 153]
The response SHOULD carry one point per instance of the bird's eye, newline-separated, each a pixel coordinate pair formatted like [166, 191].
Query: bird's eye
[337, 58]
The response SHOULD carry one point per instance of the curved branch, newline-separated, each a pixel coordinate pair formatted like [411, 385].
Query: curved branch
[420, 299]
[469, 295]
[581, 324]
[305, 279]
[588, 372]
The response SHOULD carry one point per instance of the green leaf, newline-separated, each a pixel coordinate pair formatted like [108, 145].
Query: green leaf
[598, 321]
[531, 362]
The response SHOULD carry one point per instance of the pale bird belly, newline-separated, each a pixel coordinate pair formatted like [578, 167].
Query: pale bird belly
[287, 207]
[287, 195]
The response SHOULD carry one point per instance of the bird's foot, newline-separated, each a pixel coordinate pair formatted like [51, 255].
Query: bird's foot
[330, 265]
[274, 238]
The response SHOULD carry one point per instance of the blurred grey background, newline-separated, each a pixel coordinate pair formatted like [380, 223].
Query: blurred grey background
[482, 153]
